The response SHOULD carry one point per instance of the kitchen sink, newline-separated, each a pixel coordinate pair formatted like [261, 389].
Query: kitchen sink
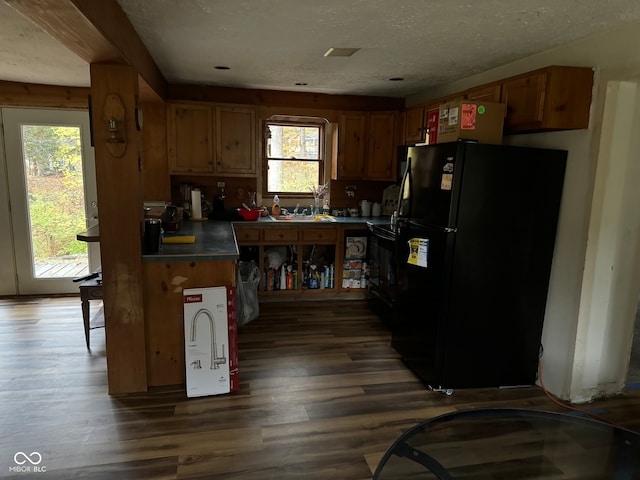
[300, 218]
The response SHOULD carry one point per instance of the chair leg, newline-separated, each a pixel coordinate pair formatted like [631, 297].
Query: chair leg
[85, 320]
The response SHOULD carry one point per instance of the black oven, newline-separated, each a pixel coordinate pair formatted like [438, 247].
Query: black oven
[382, 266]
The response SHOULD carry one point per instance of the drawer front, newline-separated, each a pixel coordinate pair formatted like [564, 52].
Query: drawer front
[319, 233]
[247, 235]
[280, 235]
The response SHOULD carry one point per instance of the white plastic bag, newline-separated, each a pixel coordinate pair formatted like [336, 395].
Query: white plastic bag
[248, 281]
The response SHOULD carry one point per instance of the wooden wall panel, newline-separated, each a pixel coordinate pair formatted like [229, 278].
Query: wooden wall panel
[155, 165]
[163, 307]
[16, 94]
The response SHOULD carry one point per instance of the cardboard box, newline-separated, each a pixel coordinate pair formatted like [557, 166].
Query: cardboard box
[353, 274]
[471, 120]
[210, 341]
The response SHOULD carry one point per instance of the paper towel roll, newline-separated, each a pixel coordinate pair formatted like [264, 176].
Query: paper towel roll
[196, 207]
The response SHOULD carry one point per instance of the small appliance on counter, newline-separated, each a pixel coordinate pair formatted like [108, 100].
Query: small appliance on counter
[152, 238]
[390, 199]
[171, 219]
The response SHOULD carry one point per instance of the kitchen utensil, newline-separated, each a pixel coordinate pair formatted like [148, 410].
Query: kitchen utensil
[246, 206]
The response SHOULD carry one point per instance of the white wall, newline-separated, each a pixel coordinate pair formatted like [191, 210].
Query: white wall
[594, 285]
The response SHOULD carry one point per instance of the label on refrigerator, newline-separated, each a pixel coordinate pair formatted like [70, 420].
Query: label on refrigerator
[446, 182]
[418, 252]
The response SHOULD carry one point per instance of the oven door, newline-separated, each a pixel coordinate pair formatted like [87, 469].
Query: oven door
[382, 270]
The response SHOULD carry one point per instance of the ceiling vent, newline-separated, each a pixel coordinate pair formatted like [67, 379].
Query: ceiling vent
[340, 52]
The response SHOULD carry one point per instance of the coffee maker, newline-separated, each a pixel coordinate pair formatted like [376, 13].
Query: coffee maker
[171, 219]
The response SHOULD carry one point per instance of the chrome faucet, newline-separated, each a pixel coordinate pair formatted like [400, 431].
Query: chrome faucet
[215, 360]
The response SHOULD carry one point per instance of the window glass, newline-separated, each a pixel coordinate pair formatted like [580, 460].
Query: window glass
[294, 157]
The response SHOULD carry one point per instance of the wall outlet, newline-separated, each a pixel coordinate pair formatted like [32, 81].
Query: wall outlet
[221, 184]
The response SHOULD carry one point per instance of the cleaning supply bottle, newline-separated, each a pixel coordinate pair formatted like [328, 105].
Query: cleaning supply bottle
[275, 207]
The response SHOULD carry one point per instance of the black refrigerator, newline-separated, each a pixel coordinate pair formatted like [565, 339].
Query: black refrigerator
[475, 236]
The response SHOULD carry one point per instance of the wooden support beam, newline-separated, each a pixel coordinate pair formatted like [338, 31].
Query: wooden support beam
[97, 31]
[121, 219]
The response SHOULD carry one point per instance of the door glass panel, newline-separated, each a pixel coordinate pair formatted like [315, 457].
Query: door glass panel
[51, 187]
[52, 158]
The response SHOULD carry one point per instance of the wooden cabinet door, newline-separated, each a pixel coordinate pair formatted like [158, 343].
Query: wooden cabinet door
[415, 126]
[524, 98]
[235, 141]
[189, 138]
[351, 146]
[486, 93]
[379, 162]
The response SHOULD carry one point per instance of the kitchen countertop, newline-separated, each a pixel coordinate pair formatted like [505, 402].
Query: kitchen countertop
[91, 234]
[216, 240]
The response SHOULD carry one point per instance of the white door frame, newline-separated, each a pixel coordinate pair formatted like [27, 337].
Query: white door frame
[16, 239]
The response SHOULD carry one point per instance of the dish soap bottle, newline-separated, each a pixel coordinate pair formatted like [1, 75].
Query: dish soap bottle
[275, 208]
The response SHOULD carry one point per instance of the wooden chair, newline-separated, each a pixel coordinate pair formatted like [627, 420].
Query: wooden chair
[90, 289]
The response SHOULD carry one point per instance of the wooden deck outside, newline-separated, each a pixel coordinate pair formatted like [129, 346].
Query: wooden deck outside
[62, 267]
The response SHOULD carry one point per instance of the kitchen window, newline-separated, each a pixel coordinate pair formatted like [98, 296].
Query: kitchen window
[294, 156]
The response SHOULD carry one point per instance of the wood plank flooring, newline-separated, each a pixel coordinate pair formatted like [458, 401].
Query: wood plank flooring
[322, 395]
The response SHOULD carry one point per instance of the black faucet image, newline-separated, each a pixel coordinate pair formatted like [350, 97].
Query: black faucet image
[215, 360]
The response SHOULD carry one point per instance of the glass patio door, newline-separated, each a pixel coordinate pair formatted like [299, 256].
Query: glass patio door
[52, 190]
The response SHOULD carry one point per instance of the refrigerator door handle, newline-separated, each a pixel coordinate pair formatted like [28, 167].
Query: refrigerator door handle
[407, 174]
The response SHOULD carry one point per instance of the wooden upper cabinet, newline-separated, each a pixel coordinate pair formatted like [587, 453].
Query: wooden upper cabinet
[380, 159]
[552, 98]
[352, 129]
[366, 146]
[415, 129]
[485, 93]
[189, 138]
[235, 141]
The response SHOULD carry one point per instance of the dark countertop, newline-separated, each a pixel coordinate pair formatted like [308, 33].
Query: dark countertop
[92, 234]
[216, 240]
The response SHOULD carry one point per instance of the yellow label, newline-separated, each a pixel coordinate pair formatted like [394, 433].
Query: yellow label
[418, 251]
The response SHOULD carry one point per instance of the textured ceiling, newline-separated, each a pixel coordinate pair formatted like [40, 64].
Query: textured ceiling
[278, 43]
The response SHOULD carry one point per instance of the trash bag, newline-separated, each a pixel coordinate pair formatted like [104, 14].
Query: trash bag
[248, 282]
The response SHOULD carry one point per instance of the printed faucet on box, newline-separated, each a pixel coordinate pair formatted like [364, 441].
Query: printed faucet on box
[210, 341]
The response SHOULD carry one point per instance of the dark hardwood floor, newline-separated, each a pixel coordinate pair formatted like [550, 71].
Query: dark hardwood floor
[322, 396]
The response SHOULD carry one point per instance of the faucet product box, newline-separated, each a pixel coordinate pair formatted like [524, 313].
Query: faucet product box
[210, 341]
[471, 120]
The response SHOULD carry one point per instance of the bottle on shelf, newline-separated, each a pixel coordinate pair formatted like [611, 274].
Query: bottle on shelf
[283, 278]
[289, 278]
